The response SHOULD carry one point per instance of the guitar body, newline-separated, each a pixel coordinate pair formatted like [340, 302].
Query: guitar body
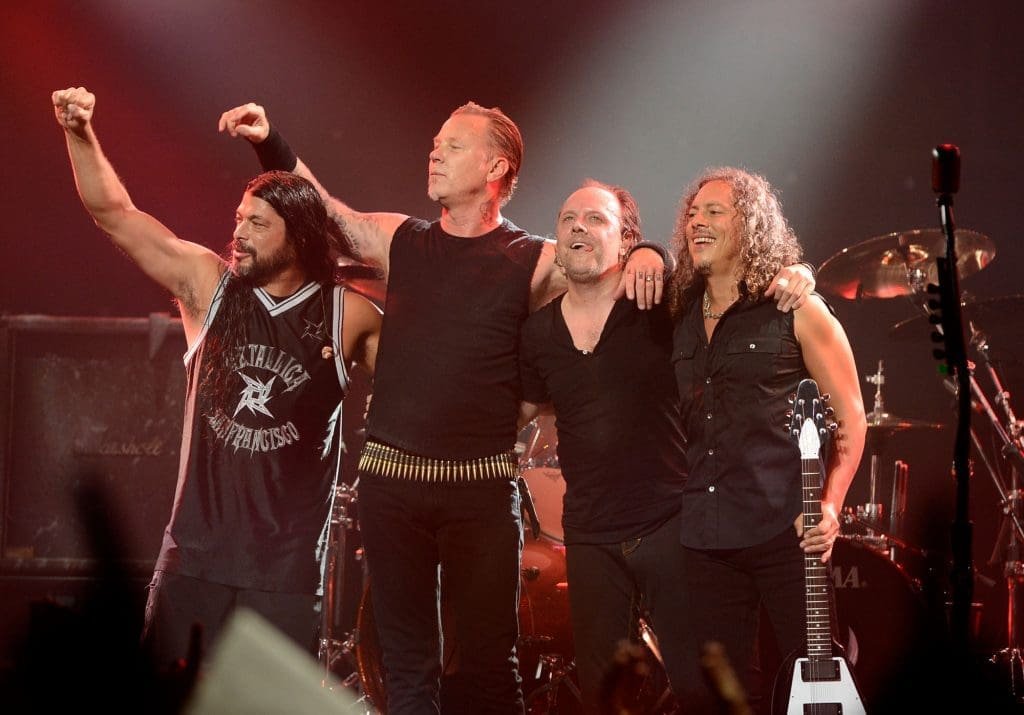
[818, 680]
[805, 687]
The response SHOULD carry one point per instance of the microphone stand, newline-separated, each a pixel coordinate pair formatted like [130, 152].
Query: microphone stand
[945, 181]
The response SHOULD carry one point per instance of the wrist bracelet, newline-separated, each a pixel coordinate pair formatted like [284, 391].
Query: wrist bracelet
[811, 268]
[274, 153]
[666, 256]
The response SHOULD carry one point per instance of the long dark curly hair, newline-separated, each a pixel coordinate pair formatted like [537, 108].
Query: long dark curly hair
[311, 233]
[767, 243]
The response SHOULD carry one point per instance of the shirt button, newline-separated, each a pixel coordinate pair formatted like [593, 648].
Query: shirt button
[708, 381]
[711, 452]
[711, 488]
[752, 346]
[709, 415]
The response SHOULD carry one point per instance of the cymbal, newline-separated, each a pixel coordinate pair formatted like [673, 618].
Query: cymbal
[894, 264]
[980, 312]
[887, 423]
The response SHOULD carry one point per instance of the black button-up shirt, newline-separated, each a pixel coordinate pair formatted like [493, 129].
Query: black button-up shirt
[744, 482]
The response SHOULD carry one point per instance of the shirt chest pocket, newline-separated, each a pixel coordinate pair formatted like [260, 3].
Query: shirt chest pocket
[684, 366]
[751, 357]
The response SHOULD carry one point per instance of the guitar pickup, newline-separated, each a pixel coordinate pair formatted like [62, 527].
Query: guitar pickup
[817, 671]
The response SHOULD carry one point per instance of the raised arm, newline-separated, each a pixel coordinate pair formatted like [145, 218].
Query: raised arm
[369, 233]
[829, 360]
[189, 271]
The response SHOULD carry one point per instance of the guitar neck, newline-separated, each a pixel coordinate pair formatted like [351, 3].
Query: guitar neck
[816, 574]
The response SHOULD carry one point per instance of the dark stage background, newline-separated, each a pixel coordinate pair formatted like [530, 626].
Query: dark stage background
[838, 103]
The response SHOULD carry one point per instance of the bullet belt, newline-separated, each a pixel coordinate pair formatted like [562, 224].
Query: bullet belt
[384, 461]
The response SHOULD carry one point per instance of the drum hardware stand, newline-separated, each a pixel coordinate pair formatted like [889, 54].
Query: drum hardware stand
[872, 515]
[559, 673]
[1012, 438]
[334, 644]
[873, 509]
[897, 515]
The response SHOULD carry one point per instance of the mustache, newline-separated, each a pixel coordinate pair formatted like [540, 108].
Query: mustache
[234, 245]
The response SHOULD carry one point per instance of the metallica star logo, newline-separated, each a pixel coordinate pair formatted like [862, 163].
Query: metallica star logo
[255, 395]
[287, 374]
[314, 330]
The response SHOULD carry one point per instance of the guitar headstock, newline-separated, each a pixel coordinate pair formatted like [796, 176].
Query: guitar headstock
[810, 423]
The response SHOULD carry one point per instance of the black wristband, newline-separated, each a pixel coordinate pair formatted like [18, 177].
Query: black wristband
[666, 256]
[274, 153]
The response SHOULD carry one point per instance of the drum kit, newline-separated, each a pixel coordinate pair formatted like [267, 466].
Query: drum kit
[872, 562]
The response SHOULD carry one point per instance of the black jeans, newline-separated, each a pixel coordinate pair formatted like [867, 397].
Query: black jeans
[473, 533]
[177, 602]
[727, 589]
[608, 584]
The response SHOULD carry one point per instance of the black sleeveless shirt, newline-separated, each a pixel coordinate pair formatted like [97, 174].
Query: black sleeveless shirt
[447, 374]
[744, 486]
[255, 484]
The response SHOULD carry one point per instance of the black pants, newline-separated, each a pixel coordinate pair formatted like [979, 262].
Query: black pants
[607, 583]
[177, 602]
[473, 533]
[727, 589]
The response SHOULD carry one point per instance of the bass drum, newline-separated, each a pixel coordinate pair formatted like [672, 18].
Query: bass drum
[882, 620]
[538, 463]
[544, 628]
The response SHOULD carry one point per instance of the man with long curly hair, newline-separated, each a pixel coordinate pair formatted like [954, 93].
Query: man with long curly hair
[271, 340]
[736, 360]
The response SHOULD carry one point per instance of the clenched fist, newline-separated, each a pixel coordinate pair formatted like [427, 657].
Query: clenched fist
[74, 107]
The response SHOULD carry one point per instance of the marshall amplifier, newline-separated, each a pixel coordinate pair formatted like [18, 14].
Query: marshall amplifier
[91, 428]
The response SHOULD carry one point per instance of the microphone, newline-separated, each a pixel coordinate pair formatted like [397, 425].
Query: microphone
[946, 169]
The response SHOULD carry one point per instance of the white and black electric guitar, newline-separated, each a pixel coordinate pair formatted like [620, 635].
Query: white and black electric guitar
[818, 681]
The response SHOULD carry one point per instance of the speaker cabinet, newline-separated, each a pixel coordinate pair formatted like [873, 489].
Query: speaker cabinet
[91, 428]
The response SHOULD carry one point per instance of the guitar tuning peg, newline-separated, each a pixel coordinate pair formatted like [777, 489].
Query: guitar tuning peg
[826, 397]
[833, 427]
[830, 412]
[789, 414]
[791, 399]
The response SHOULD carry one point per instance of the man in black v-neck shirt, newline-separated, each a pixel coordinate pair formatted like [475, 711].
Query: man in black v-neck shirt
[604, 365]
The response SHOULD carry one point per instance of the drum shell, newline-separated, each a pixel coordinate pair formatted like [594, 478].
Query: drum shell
[882, 620]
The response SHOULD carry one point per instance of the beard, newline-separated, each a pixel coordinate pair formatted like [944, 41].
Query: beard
[260, 270]
[703, 268]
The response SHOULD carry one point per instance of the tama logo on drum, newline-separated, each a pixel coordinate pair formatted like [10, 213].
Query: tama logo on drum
[848, 577]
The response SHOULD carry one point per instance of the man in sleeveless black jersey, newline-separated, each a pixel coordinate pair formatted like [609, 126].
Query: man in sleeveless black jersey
[437, 474]
[270, 341]
[736, 361]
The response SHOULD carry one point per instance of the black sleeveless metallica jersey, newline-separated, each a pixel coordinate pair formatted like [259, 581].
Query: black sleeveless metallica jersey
[447, 374]
[256, 479]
